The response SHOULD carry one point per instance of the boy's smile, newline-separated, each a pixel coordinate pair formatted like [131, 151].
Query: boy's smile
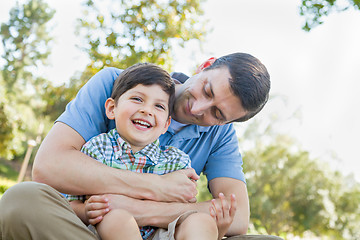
[142, 124]
[141, 114]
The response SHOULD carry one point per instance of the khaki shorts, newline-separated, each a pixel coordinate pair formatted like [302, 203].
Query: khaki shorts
[169, 233]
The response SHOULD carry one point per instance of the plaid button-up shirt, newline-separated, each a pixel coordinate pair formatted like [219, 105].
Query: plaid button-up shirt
[110, 149]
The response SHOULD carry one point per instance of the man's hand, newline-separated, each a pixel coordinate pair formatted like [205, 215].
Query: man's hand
[178, 186]
[95, 208]
[223, 213]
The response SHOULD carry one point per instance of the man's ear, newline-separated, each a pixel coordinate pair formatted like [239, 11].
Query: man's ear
[109, 108]
[167, 124]
[205, 64]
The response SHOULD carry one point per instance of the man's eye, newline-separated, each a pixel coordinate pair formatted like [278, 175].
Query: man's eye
[207, 91]
[217, 115]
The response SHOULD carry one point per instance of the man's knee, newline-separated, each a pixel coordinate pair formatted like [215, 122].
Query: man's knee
[21, 189]
[254, 237]
[25, 200]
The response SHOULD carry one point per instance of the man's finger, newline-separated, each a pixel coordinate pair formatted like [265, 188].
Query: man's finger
[190, 173]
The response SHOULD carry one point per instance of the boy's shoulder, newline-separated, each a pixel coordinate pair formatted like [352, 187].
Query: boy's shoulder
[170, 152]
[102, 137]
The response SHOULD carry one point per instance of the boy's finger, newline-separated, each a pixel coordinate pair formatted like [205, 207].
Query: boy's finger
[233, 205]
[218, 208]
[212, 212]
[96, 213]
[98, 198]
[224, 204]
[96, 206]
[94, 221]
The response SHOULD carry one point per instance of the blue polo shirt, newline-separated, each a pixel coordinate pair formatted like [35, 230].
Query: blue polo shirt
[212, 150]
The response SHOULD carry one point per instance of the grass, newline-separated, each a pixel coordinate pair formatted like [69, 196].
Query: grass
[8, 176]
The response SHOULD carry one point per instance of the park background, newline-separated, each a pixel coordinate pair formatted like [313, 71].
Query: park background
[300, 153]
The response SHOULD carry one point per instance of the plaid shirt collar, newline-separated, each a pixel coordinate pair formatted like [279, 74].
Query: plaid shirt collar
[151, 150]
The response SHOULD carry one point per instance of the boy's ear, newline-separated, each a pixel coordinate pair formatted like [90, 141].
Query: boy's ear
[109, 108]
[205, 64]
[167, 124]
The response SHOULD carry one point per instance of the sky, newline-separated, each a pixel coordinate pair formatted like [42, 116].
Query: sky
[316, 75]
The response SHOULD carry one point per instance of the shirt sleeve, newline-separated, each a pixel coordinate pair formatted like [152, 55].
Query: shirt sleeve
[225, 159]
[86, 113]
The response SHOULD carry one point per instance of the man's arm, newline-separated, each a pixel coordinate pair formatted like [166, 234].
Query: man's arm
[60, 164]
[160, 214]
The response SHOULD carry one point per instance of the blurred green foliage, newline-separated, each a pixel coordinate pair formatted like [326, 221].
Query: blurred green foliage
[315, 11]
[26, 43]
[8, 176]
[292, 194]
[122, 33]
[289, 192]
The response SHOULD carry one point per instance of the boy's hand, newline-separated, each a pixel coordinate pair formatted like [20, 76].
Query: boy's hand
[223, 213]
[95, 208]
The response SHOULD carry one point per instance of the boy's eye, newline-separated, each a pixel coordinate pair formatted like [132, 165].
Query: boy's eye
[160, 106]
[136, 99]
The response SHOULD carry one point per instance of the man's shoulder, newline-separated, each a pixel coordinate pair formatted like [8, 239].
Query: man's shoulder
[216, 128]
[181, 77]
[108, 73]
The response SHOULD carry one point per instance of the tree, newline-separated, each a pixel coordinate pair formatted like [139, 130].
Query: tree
[285, 190]
[122, 33]
[291, 193]
[26, 42]
[315, 11]
[6, 133]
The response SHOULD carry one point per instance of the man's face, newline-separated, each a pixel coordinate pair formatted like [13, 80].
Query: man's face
[206, 99]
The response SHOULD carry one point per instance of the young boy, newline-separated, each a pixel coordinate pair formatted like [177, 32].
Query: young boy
[140, 104]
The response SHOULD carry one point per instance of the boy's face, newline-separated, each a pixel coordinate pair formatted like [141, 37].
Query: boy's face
[141, 114]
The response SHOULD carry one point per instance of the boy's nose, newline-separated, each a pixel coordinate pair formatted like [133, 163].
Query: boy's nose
[146, 110]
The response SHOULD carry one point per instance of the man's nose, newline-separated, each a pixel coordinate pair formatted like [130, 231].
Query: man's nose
[200, 106]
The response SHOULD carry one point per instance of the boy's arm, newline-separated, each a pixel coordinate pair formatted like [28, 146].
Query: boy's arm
[82, 175]
[79, 208]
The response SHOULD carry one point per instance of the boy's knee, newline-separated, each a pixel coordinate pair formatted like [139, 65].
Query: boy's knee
[114, 220]
[197, 225]
[203, 220]
[119, 216]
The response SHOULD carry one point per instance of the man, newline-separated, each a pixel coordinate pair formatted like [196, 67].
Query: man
[232, 88]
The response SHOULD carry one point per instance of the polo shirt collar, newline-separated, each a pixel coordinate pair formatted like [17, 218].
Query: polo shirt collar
[151, 150]
[187, 132]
